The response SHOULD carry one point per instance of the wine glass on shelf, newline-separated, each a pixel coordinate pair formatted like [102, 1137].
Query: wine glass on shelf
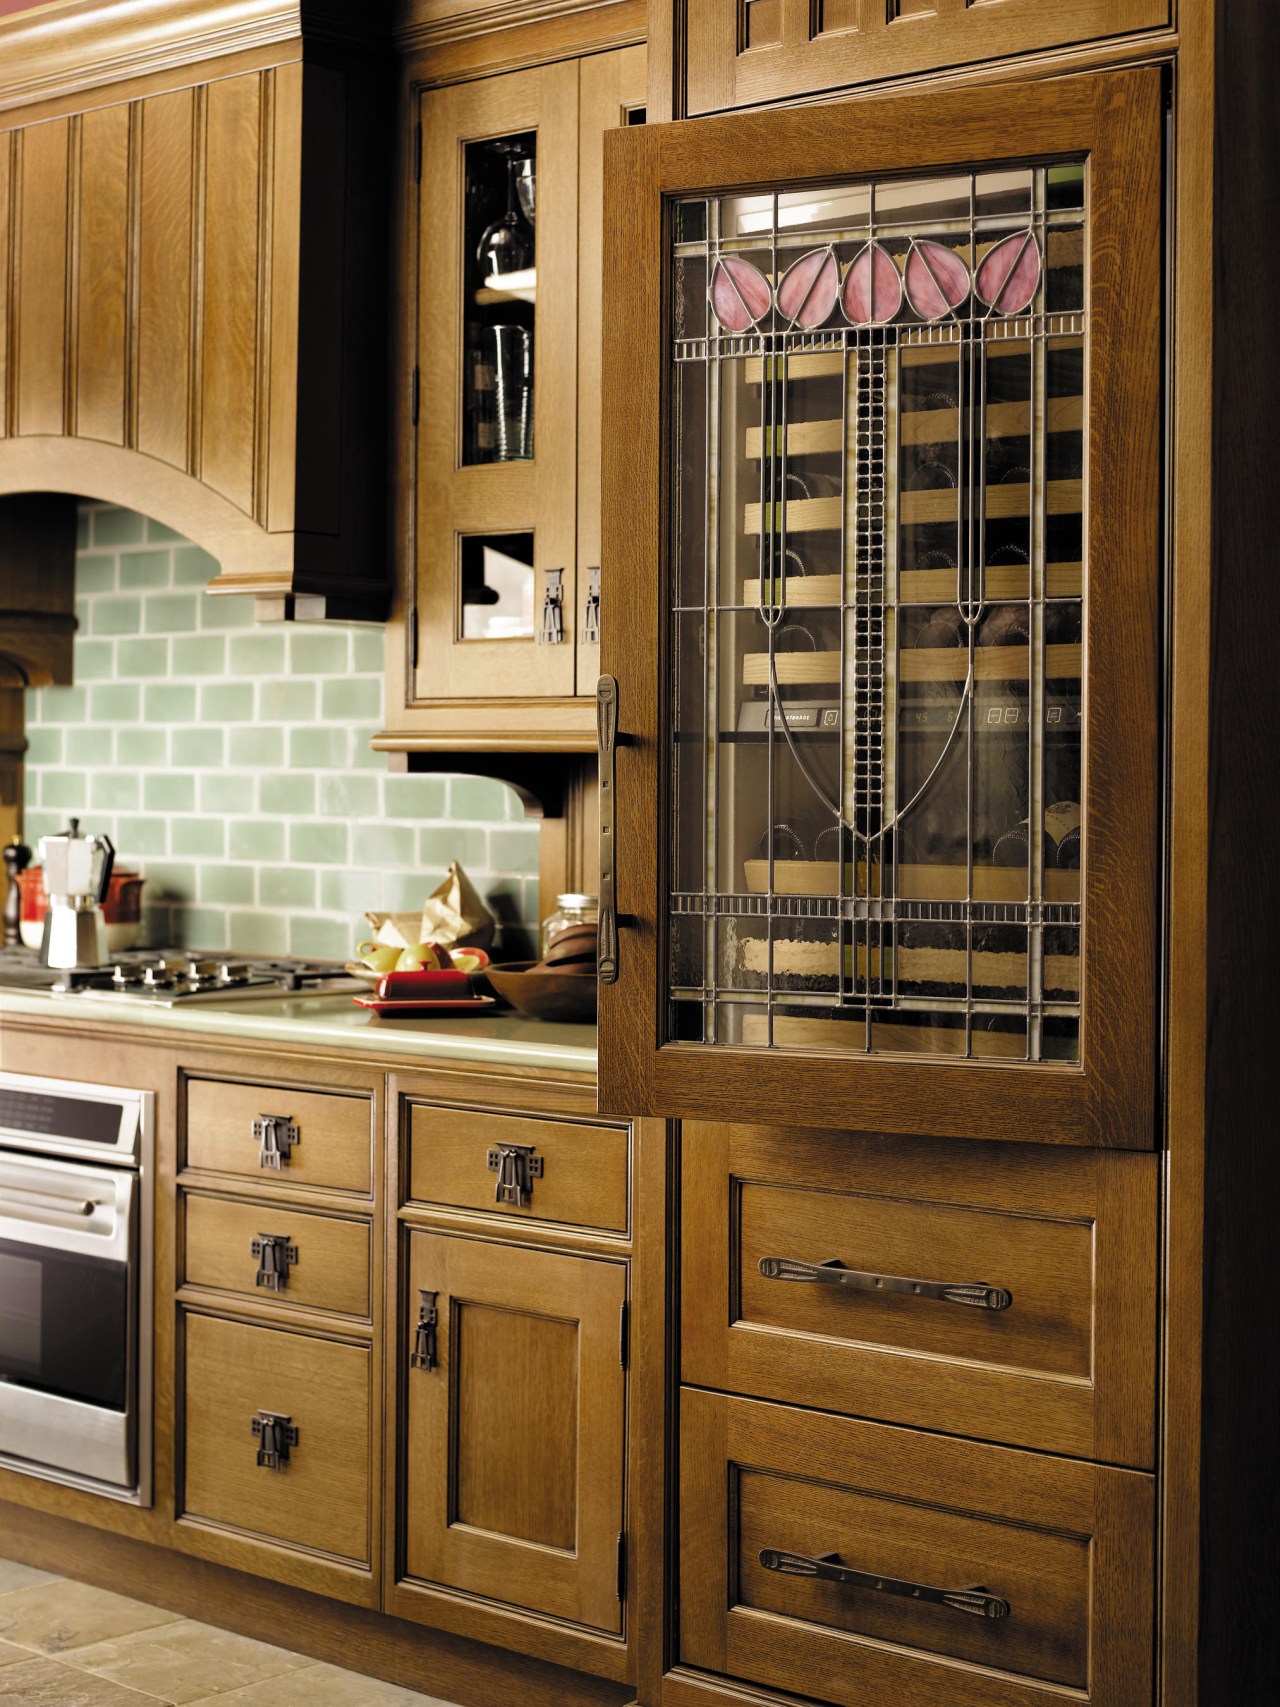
[506, 246]
[527, 188]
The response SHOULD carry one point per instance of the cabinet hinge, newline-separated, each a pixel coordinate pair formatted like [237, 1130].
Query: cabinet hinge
[417, 153]
[624, 1335]
[415, 389]
[622, 1566]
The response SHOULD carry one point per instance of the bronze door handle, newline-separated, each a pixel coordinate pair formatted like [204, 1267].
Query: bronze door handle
[975, 1601]
[976, 1294]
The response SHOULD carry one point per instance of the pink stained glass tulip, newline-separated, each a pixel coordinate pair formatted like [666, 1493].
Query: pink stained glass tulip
[937, 280]
[872, 292]
[740, 294]
[807, 290]
[1009, 274]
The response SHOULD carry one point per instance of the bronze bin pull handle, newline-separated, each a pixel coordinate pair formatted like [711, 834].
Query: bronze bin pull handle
[977, 1294]
[976, 1601]
[275, 1135]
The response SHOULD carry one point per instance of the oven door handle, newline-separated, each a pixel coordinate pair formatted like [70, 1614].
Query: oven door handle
[71, 1206]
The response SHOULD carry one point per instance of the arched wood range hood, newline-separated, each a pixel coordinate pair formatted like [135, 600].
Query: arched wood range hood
[192, 266]
[193, 240]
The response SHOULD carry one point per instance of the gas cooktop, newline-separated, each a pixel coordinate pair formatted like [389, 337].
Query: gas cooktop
[173, 977]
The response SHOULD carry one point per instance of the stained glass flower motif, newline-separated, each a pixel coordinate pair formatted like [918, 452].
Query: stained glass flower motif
[937, 280]
[1009, 274]
[872, 291]
[740, 294]
[807, 290]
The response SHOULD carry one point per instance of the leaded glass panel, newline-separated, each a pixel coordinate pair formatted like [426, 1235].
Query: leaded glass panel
[877, 592]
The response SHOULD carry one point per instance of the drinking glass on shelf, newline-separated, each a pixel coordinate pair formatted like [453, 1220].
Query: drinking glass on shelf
[506, 246]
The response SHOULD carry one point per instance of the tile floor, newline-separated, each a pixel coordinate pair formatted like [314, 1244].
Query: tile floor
[65, 1644]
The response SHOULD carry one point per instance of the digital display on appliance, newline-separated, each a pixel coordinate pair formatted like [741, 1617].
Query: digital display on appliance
[39, 1113]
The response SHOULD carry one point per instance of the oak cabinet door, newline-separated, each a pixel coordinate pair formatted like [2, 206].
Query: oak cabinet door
[882, 534]
[513, 1456]
[744, 51]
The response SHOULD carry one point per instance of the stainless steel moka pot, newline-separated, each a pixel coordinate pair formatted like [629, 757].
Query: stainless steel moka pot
[75, 932]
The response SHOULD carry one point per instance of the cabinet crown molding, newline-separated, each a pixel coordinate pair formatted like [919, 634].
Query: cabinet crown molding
[75, 45]
[432, 23]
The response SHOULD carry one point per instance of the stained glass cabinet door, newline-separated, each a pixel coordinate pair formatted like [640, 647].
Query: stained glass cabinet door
[888, 647]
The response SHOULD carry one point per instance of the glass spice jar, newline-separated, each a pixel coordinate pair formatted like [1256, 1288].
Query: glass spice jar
[570, 910]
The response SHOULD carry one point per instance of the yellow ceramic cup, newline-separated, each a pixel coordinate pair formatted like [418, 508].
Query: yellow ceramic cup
[379, 956]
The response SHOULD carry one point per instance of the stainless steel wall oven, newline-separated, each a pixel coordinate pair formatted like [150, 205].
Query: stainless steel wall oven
[76, 1220]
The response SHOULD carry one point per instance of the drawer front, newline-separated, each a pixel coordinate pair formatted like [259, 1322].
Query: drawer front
[330, 1144]
[318, 1499]
[1055, 1558]
[1000, 1291]
[315, 1261]
[584, 1177]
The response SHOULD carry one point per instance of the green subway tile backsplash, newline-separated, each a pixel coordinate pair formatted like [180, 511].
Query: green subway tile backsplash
[232, 766]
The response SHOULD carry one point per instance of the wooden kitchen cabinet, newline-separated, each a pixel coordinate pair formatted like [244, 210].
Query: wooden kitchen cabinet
[514, 1441]
[1034, 1574]
[741, 52]
[499, 644]
[899, 724]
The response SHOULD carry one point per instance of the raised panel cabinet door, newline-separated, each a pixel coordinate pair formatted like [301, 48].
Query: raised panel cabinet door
[871, 1566]
[512, 1474]
[496, 360]
[882, 533]
[1004, 1292]
[743, 51]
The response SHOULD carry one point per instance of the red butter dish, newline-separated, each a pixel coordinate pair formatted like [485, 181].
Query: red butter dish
[428, 985]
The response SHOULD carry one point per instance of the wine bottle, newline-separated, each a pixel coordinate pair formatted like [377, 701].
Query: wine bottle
[1005, 625]
[1060, 820]
[1069, 850]
[943, 627]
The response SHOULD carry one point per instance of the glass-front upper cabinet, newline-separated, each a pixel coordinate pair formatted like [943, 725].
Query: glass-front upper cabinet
[903, 739]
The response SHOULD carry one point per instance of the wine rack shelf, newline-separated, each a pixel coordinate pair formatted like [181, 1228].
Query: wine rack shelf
[919, 664]
[1000, 582]
[991, 883]
[984, 968]
[792, 1031]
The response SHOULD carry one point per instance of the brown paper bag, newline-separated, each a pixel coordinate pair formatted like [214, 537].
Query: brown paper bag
[452, 915]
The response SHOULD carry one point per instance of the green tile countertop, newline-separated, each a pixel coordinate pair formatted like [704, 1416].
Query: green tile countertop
[335, 1022]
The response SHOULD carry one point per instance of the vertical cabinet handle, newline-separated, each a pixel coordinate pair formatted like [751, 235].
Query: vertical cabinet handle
[275, 1135]
[591, 608]
[827, 1566]
[275, 1435]
[551, 633]
[425, 1353]
[607, 732]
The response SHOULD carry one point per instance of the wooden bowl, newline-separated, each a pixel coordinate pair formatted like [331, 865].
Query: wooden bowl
[567, 996]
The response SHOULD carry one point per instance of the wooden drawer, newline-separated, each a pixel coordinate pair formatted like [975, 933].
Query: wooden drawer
[584, 1180]
[333, 1146]
[1068, 1366]
[1067, 1546]
[324, 1264]
[319, 1500]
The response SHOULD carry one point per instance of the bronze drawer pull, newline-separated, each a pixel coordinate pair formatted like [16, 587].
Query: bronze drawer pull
[276, 1135]
[975, 1293]
[426, 1351]
[274, 1255]
[276, 1435]
[975, 1601]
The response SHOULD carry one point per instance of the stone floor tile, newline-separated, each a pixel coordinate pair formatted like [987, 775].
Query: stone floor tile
[325, 1686]
[52, 1683]
[9, 1655]
[187, 1662]
[58, 1615]
[13, 1575]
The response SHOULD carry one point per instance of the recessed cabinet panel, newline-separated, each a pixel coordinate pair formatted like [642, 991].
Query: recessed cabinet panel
[855, 1563]
[280, 1135]
[1006, 1293]
[305, 1481]
[512, 1473]
[746, 51]
[908, 689]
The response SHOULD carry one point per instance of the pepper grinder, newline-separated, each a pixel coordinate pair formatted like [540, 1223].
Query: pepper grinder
[16, 858]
